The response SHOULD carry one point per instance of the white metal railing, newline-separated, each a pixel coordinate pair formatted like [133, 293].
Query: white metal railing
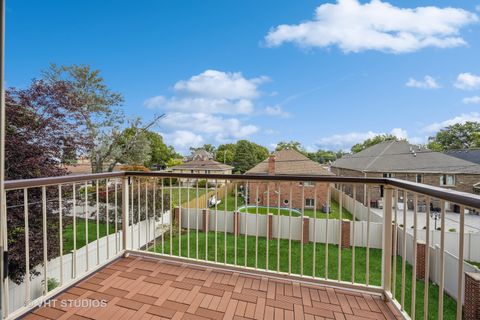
[259, 223]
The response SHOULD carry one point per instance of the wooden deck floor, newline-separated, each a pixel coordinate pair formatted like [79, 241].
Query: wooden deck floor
[149, 288]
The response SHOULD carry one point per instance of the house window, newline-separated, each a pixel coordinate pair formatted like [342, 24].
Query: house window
[419, 178]
[307, 183]
[309, 202]
[285, 202]
[447, 180]
[388, 175]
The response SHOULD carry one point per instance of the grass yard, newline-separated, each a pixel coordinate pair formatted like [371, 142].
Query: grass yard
[334, 214]
[320, 250]
[183, 195]
[81, 236]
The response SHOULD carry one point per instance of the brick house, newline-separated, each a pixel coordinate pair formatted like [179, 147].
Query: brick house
[288, 162]
[401, 160]
[201, 162]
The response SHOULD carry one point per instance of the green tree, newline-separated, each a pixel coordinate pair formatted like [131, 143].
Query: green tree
[207, 147]
[160, 153]
[322, 156]
[174, 162]
[373, 141]
[226, 153]
[457, 136]
[290, 145]
[101, 119]
[247, 155]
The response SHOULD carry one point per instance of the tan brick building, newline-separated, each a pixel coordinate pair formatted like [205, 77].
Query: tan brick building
[288, 162]
[401, 160]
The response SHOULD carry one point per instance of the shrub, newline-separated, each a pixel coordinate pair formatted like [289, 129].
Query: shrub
[452, 230]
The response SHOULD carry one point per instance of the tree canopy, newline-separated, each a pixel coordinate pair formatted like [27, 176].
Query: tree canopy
[457, 136]
[373, 141]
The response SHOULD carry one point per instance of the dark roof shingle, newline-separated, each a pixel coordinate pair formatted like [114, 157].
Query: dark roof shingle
[400, 156]
[290, 162]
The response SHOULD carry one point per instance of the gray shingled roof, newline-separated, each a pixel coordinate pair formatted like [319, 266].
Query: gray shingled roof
[472, 155]
[290, 162]
[400, 156]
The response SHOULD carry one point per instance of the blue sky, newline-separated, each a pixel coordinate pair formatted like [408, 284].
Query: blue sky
[325, 73]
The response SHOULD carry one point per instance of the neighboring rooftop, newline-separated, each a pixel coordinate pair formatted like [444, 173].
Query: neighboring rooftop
[472, 155]
[290, 162]
[202, 165]
[200, 154]
[400, 156]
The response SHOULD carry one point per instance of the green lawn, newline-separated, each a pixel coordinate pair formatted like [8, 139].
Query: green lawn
[334, 214]
[185, 194]
[476, 264]
[320, 250]
[92, 233]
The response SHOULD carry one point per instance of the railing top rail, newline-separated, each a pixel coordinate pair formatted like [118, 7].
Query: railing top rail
[461, 198]
[48, 181]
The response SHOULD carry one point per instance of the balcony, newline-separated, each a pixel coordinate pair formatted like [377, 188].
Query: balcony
[140, 245]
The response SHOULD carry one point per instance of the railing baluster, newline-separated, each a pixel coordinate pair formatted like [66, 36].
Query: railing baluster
[460, 262]
[188, 218]
[441, 285]
[139, 208]
[98, 223]
[125, 205]
[225, 210]
[404, 247]
[162, 209]
[85, 211]
[279, 224]
[256, 225]
[206, 222]
[414, 258]
[353, 230]
[216, 220]
[427, 259]
[268, 226]
[197, 208]
[154, 199]
[315, 203]
[116, 216]
[247, 190]
[107, 218]
[237, 227]
[340, 210]
[179, 218]
[147, 217]
[301, 229]
[132, 212]
[395, 244]
[60, 230]
[171, 214]
[74, 257]
[290, 230]
[45, 253]
[387, 240]
[329, 210]
[369, 209]
[27, 247]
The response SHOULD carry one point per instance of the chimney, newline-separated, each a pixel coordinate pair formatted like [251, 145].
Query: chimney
[271, 165]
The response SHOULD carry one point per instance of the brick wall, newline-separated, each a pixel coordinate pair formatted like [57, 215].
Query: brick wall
[297, 200]
[471, 307]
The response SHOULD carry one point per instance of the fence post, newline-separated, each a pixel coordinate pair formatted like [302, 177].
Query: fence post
[387, 240]
[125, 213]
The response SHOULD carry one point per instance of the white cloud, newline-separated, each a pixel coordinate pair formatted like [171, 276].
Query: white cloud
[345, 141]
[183, 139]
[376, 25]
[276, 111]
[154, 102]
[197, 111]
[428, 82]
[467, 81]
[434, 127]
[216, 127]
[472, 100]
[221, 85]
[477, 7]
